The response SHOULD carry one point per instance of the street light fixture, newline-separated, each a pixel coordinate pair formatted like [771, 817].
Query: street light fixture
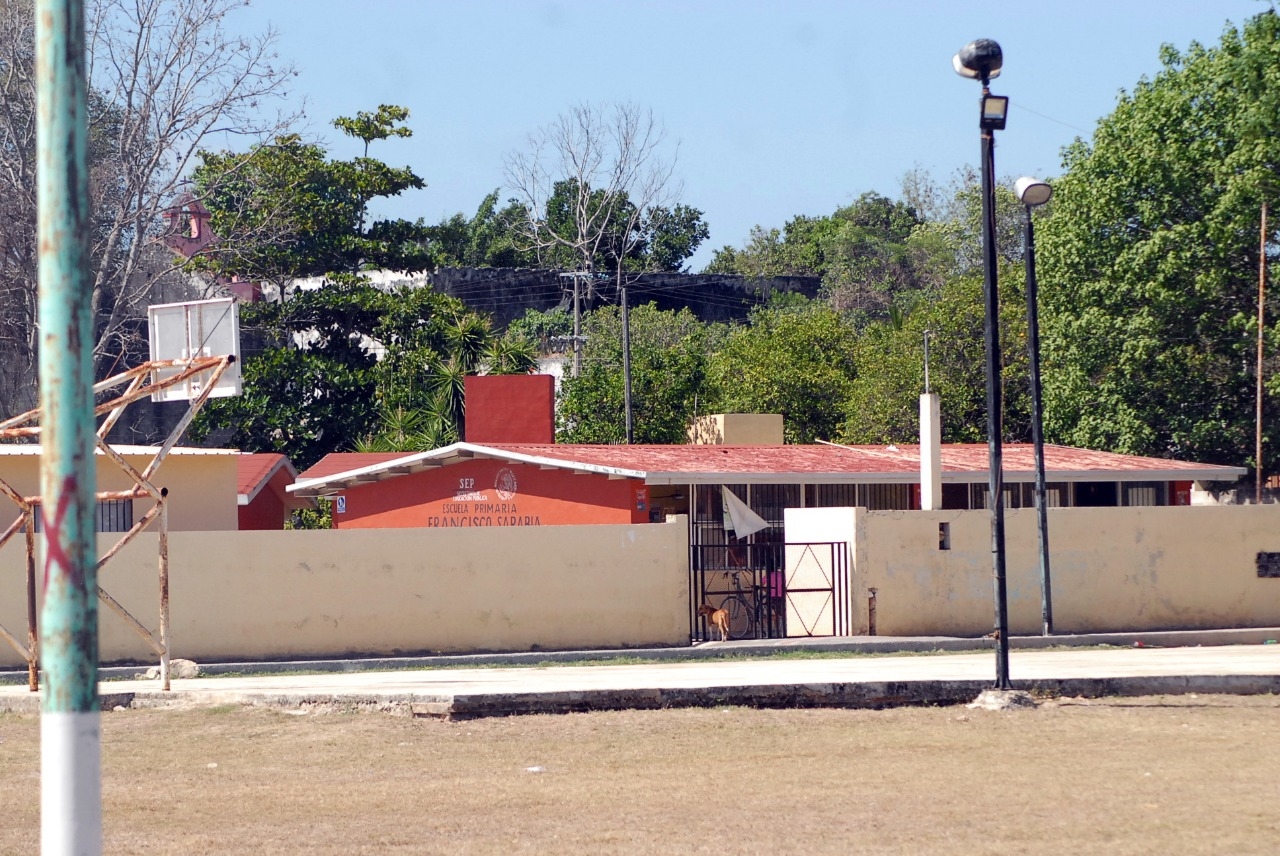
[982, 60]
[1032, 193]
[995, 108]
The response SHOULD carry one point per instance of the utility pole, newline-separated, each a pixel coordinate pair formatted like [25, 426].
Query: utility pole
[70, 745]
[577, 327]
[626, 363]
[577, 318]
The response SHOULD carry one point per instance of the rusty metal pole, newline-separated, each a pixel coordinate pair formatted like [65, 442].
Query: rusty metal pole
[164, 587]
[33, 641]
[70, 749]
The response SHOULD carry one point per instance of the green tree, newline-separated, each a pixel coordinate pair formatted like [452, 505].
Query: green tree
[882, 404]
[670, 236]
[851, 365]
[668, 370]
[1149, 262]
[346, 365]
[949, 236]
[286, 210]
[488, 239]
[862, 252]
[305, 400]
[542, 327]
[430, 343]
[793, 357]
[352, 367]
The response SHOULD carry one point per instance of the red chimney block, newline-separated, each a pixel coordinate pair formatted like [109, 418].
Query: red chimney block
[510, 409]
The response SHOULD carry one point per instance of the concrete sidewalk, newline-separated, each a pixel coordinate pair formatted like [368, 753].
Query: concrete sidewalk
[779, 682]
[718, 651]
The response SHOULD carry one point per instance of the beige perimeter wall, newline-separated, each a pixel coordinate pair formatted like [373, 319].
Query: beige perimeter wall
[1112, 569]
[391, 591]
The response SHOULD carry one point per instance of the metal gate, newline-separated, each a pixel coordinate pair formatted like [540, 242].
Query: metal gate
[770, 590]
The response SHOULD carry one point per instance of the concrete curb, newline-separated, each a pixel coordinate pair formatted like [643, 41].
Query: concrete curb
[853, 694]
[859, 694]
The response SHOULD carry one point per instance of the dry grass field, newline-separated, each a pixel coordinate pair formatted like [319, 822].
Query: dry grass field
[1156, 775]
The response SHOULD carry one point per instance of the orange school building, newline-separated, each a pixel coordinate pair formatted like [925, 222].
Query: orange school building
[510, 472]
[476, 492]
[463, 486]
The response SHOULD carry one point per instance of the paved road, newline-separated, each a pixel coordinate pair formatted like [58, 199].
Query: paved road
[869, 680]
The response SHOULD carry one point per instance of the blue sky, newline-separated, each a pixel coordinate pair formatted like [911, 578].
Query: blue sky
[779, 108]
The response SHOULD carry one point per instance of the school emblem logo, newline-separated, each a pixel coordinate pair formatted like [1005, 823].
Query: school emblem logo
[505, 484]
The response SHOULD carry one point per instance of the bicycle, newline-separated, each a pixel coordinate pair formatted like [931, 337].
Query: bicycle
[741, 605]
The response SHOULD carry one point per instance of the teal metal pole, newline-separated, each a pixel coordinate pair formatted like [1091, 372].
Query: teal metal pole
[70, 749]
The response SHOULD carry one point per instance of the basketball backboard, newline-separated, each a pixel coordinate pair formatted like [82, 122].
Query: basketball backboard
[186, 331]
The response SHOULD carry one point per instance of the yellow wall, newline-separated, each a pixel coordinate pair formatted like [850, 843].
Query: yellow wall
[737, 429]
[1112, 569]
[202, 488]
[329, 593]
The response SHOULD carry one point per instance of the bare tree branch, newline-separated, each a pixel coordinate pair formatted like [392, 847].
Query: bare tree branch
[607, 160]
[164, 75]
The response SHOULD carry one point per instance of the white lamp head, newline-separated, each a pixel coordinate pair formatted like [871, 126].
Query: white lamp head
[1032, 191]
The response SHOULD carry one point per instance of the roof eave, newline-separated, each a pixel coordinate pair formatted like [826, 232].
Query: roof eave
[338, 482]
[282, 463]
[950, 477]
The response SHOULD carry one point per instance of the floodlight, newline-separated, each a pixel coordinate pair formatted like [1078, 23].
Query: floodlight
[995, 109]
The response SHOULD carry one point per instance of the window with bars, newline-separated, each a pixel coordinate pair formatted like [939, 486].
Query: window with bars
[1144, 493]
[1020, 495]
[873, 497]
[111, 515]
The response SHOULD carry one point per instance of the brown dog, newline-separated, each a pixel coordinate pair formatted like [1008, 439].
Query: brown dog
[719, 619]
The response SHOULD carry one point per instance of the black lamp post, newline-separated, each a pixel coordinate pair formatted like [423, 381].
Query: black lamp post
[981, 60]
[626, 365]
[1033, 193]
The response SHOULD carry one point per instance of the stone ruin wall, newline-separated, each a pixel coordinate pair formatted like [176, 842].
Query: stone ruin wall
[505, 293]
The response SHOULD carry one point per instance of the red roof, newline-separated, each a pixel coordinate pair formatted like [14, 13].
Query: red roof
[255, 469]
[341, 462]
[728, 464]
[801, 460]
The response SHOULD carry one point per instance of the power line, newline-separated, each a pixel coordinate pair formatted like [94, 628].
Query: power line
[1022, 106]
